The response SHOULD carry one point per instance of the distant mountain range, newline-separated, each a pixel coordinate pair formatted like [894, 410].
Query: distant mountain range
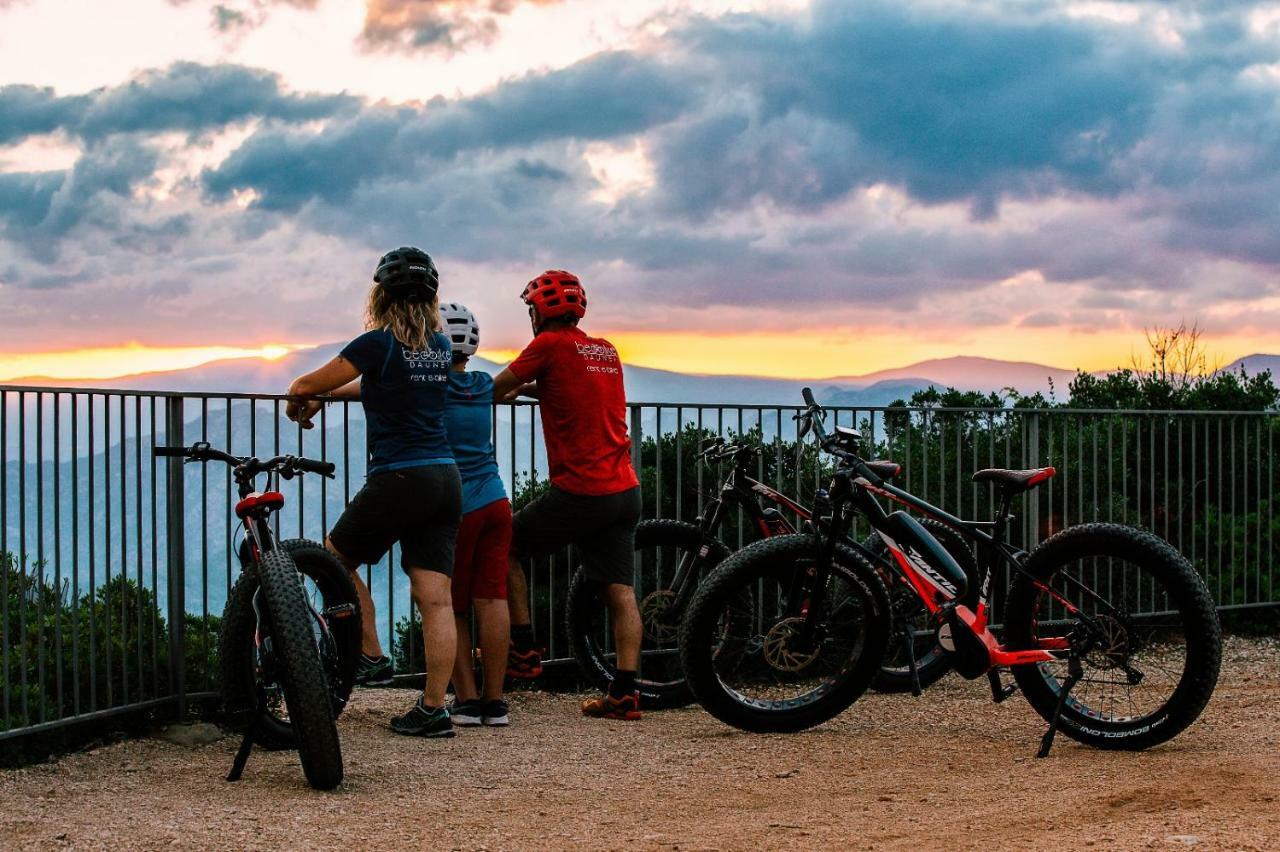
[255, 375]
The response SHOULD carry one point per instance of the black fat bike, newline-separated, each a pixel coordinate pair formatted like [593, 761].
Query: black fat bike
[672, 557]
[290, 636]
[1108, 631]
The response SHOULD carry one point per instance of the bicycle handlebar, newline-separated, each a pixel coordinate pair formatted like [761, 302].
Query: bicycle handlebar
[830, 443]
[287, 466]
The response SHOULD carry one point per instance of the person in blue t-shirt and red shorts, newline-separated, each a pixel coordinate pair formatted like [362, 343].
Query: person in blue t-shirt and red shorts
[399, 370]
[594, 499]
[484, 538]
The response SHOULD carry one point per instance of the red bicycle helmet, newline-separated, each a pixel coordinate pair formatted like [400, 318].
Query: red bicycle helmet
[556, 293]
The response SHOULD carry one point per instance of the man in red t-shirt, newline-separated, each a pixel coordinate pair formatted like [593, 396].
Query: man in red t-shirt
[594, 499]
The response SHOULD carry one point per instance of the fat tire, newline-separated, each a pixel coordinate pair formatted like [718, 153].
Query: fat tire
[756, 560]
[584, 606]
[1202, 628]
[304, 683]
[236, 643]
[889, 680]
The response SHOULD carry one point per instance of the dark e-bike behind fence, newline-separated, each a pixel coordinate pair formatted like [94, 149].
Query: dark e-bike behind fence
[115, 565]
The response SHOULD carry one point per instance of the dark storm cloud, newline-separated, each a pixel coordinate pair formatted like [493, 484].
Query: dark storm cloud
[950, 106]
[604, 97]
[32, 111]
[186, 97]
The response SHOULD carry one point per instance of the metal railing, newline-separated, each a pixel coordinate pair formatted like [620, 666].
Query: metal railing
[114, 565]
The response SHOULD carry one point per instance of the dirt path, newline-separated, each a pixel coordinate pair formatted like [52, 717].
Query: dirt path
[682, 780]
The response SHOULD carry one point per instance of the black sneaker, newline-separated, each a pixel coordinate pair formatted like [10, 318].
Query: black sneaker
[465, 714]
[494, 713]
[423, 721]
[374, 671]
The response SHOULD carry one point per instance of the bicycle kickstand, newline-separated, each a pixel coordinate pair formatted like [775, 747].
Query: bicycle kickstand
[999, 691]
[1074, 672]
[242, 756]
[909, 644]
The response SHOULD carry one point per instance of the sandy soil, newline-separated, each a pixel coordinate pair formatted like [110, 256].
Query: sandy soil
[948, 770]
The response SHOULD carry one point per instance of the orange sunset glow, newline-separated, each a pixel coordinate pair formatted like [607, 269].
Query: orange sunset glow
[107, 362]
[765, 354]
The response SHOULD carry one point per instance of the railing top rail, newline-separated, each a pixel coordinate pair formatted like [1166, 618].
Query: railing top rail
[745, 406]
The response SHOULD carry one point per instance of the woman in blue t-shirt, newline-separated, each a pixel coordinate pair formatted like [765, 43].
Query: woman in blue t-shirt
[399, 370]
[484, 538]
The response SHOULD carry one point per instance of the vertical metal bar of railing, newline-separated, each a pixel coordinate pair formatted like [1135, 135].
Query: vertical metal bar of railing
[137, 535]
[22, 555]
[57, 552]
[175, 534]
[124, 555]
[75, 553]
[40, 561]
[155, 555]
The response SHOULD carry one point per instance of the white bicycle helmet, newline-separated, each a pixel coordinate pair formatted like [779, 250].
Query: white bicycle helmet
[461, 326]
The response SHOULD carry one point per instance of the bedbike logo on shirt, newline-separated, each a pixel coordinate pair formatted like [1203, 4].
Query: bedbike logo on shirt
[428, 365]
[600, 357]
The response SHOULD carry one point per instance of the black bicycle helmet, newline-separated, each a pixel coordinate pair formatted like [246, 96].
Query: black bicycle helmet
[408, 273]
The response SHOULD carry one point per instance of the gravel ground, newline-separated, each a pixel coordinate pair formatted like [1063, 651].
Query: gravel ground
[949, 769]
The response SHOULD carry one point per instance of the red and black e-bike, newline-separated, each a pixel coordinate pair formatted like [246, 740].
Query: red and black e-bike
[1107, 630]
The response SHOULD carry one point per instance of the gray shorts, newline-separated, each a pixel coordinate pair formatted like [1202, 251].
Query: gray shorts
[602, 528]
[419, 507]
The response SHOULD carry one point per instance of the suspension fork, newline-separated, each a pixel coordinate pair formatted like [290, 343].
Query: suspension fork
[709, 529]
[811, 607]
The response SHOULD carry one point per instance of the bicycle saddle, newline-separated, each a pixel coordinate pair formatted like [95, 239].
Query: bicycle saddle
[1015, 480]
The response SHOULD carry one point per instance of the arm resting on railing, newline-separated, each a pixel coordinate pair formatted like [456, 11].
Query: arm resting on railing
[336, 376]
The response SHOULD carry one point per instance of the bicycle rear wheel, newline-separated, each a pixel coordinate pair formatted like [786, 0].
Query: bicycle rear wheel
[302, 675]
[743, 642]
[1151, 644]
[660, 545]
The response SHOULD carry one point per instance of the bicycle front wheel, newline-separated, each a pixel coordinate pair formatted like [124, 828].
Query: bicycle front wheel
[245, 691]
[756, 659]
[302, 675]
[1145, 628]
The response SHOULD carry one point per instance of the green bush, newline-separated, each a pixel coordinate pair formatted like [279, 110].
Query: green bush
[65, 656]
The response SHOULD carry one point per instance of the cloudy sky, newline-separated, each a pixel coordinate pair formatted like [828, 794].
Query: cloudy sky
[772, 187]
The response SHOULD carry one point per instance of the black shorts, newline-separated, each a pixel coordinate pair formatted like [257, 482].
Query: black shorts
[603, 529]
[419, 507]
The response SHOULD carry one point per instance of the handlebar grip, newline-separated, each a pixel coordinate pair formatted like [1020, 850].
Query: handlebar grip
[323, 468]
[807, 393]
[169, 452]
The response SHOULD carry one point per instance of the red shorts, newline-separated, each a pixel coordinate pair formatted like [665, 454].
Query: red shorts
[480, 555]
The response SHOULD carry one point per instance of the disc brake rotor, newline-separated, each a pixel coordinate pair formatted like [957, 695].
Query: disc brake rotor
[781, 646]
[655, 610]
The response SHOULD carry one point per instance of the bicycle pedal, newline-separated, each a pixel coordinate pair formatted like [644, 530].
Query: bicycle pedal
[345, 610]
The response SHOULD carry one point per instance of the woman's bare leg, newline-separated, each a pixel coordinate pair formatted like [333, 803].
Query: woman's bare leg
[464, 675]
[432, 593]
[495, 635]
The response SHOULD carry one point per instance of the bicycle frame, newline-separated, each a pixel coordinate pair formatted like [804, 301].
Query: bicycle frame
[992, 548]
[741, 489]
